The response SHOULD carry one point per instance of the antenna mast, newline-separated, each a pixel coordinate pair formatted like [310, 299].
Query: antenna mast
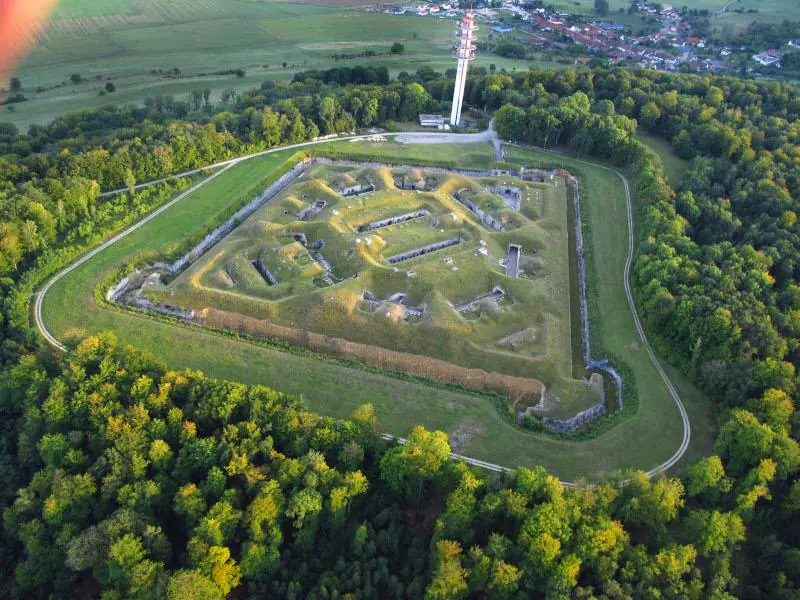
[465, 52]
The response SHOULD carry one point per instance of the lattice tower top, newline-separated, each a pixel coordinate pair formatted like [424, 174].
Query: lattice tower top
[466, 36]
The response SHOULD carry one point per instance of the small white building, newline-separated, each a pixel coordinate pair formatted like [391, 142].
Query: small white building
[768, 59]
[431, 121]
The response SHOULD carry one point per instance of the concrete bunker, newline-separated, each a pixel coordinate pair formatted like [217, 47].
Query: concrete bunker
[512, 262]
[392, 220]
[265, 273]
[425, 250]
[311, 211]
[415, 180]
[396, 299]
[511, 195]
[485, 218]
[357, 189]
[496, 294]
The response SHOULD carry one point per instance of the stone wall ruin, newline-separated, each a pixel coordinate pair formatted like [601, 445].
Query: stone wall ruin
[484, 216]
[356, 190]
[582, 418]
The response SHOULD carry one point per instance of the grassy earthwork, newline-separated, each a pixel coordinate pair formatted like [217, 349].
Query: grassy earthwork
[645, 439]
[262, 270]
[137, 43]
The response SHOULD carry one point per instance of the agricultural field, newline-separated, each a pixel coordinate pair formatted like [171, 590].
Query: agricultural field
[134, 43]
[723, 22]
[646, 438]
[335, 253]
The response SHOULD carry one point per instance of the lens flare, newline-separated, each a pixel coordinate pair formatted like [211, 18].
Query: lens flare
[20, 20]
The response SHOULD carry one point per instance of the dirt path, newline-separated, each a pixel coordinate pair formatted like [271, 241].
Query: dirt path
[425, 137]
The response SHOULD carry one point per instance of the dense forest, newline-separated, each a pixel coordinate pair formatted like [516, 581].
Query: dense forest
[143, 483]
[119, 478]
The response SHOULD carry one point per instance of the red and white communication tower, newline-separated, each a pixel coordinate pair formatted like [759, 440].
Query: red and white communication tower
[465, 52]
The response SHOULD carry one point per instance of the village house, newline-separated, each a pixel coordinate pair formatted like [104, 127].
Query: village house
[770, 58]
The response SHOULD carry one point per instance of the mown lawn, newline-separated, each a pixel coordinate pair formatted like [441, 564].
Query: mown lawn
[646, 439]
[477, 156]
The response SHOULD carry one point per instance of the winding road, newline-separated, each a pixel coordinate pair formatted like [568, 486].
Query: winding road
[406, 137]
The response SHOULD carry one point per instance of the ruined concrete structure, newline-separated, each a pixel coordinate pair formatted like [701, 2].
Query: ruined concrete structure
[356, 190]
[425, 250]
[328, 276]
[512, 196]
[392, 220]
[484, 217]
[496, 294]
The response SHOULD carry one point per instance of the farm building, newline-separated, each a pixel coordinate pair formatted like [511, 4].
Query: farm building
[431, 120]
[769, 58]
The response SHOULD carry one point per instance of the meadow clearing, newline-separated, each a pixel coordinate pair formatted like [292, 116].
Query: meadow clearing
[674, 165]
[647, 437]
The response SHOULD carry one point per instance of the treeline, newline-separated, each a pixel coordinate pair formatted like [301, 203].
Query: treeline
[123, 480]
[572, 122]
[358, 75]
[760, 36]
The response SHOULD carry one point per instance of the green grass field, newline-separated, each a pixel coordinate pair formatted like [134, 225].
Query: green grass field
[647, 438]
[127, 39]
[525, 334]
[728, 23]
